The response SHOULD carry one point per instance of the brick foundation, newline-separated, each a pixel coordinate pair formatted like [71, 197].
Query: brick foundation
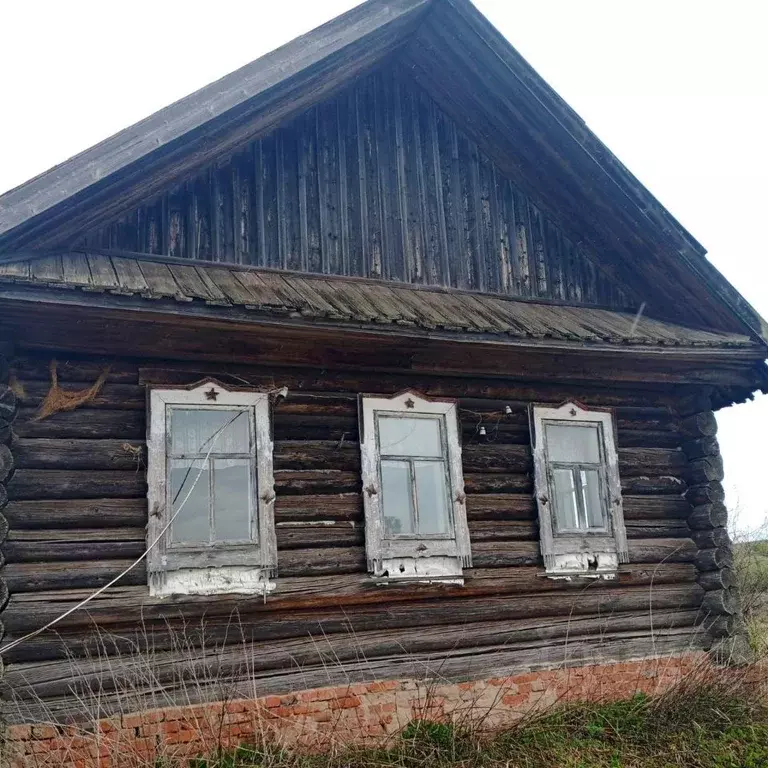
[361, 713]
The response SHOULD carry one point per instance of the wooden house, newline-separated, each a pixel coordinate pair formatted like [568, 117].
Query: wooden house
[373, 349]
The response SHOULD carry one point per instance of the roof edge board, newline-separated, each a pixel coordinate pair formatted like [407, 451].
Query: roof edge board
[43, 192]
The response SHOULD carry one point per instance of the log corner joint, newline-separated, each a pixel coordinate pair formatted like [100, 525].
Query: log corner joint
[721, 606]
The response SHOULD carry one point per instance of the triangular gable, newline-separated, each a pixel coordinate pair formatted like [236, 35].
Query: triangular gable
[375, 182]
[474, 75]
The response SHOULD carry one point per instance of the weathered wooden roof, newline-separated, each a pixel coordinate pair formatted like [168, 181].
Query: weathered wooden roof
[472, 72]
[348, 300]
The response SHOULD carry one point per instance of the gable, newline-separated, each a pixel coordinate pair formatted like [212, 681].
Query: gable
[377, 182]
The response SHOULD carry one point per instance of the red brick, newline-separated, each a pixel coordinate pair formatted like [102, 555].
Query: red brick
[383, 686]
[44, 731]
[18, 732]
[346, 702]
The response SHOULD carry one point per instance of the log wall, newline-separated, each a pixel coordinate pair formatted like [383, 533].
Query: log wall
[378, 182]
[77, 514]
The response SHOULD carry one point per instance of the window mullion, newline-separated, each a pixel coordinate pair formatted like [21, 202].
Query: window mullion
[581, 511]
[211, 486]
[414, 500]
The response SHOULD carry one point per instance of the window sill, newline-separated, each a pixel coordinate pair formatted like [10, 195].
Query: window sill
[579, 575]
[220, 580]
[405, 581]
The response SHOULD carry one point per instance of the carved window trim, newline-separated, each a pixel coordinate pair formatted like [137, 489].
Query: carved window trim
[595, 552]
[419, 558]
[243, 567]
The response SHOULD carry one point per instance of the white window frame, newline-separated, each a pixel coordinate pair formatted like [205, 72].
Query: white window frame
[246, 567]
[595, 552]
[414, 558]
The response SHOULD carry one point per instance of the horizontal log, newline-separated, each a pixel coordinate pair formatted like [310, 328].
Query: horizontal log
[705, 470]
[725, 578]
[222, 659]
[455, 665]
[720, 602]
[317, 455]
[313, 507]
[29, 484]
[700, 447]
[317, 404]
[110, 396]
[501, 506]
[680, 550]
[317, 381]
[503, 530]
[76, 369]
[475, 483]
[6, 462]
[708, 516]
[426, 617]
[648, 438]
[40, 577]
[701, 424]
[78, 513]
[712, 538]
[315, 427]
[497, 458]
[663, 507]
[70, 454]
[657, 529]
[714, 559]
[657, 484]
[645, 461]
[20, 551]
[90, 423]
[77, 535]
[132, 604]
[300, 482]
[335, 534]
[705, 493]
[495, 554]
[3, 496]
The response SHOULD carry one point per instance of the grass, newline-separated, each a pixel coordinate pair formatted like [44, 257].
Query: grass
[707, 721]
[751, 566]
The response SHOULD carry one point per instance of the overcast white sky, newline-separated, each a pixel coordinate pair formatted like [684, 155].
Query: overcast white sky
[676, 88]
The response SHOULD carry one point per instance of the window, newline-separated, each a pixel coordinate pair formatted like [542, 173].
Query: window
[211, 493]
[578, 490]
[413, 488]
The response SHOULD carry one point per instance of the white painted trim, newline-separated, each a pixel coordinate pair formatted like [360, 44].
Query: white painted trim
[258, 558]
[571, 553]
[380, 549]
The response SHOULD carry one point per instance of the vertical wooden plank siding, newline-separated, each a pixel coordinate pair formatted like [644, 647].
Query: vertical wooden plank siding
[377, 182]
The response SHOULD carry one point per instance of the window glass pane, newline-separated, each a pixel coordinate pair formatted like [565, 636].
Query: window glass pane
[590, 495]
[566, 508]
[189, 496]
[397, 503]
[232, 499]
[573, 443]
[199, 430]
[409, 437]
[431, 496]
